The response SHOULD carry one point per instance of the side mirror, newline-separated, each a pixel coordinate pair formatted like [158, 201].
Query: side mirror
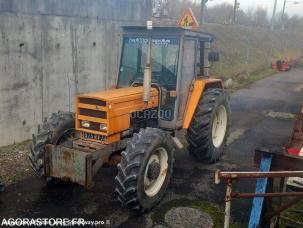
[213, 56]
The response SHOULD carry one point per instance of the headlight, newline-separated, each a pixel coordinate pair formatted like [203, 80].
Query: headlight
[103, 127]
[85, 124]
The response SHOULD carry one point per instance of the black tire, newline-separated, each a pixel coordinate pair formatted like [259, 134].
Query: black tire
[59, 128]
[199, 133]
[130, 187]
[2, 186]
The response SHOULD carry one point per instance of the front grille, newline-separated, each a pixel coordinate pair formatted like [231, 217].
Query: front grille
[93, 113]
[100, 138]
[92, 101]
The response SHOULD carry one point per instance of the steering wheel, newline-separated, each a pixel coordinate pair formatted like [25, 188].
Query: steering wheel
[167, 77]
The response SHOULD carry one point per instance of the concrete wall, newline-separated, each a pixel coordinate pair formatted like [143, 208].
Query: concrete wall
[51, 50]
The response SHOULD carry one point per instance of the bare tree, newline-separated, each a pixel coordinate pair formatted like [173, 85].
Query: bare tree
[245, 18]
[260, 17]
[294, 23]
[220, 13]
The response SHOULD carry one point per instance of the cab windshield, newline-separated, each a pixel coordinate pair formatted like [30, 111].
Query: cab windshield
[165, 53]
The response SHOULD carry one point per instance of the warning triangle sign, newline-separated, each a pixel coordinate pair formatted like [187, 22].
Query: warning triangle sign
[188, 20]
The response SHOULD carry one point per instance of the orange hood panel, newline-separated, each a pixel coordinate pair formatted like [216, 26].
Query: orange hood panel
[118, 95]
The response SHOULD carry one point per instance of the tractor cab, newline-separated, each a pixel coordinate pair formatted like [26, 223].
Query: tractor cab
[179, 56]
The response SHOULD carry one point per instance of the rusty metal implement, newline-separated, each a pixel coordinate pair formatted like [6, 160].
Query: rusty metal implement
[291, 166]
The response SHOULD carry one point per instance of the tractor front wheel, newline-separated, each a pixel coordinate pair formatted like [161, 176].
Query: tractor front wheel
[145, 169]
[58, 129]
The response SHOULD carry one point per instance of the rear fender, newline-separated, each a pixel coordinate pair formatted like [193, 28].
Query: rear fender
[199, 86]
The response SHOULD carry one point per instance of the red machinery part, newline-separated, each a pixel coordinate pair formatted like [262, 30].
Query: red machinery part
[293, 151]
[295, 142]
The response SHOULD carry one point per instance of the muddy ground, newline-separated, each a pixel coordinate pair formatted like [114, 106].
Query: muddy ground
[262, 116]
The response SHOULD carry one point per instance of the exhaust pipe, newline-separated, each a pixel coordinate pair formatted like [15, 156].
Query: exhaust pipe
[148, 66]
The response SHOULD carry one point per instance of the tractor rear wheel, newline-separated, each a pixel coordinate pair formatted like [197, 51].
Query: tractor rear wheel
[207, 133]
[145, 169]
[58, 129]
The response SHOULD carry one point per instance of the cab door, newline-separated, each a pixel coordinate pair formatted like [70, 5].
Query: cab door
[186, 75]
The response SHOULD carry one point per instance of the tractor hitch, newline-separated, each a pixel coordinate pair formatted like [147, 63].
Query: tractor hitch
[79, 162]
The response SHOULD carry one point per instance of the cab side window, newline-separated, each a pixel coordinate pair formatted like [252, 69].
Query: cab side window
[200, 59]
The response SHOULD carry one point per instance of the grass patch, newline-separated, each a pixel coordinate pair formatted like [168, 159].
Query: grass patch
[293, 217]
[250, 49]
[216, 213]
[246, 53]
[244, 82]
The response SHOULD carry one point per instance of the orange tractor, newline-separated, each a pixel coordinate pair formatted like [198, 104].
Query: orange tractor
[163, 86]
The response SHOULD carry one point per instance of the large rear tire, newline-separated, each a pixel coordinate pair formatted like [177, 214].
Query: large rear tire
[145, 169]
[208, 131]
[59, 128]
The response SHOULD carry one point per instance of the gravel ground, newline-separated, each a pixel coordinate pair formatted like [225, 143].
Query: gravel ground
[14, 163]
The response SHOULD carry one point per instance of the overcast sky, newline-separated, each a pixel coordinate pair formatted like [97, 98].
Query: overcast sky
[291, 8]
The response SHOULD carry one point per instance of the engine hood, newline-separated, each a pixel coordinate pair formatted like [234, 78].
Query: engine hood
[129, 93]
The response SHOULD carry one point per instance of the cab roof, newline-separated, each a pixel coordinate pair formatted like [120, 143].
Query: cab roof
[168, 31]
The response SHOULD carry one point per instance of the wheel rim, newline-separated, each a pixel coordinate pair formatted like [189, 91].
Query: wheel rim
[219, 126]
[153, 186]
